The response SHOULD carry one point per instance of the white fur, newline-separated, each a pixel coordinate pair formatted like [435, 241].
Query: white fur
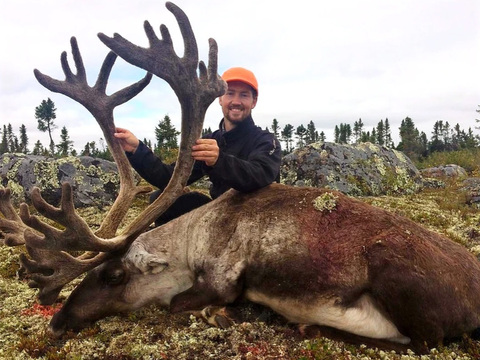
[362, 319]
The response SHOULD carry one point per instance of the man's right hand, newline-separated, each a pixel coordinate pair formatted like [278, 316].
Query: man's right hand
[127, 140]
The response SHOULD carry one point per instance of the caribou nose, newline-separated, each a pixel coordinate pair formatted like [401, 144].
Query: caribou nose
[58, 325]
[56, 332]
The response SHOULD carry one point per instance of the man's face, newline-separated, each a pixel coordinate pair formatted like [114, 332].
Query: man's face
[238, 102]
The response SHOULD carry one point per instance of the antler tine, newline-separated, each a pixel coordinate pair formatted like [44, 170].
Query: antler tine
[11, 225]
[54, 269]
[77, 235]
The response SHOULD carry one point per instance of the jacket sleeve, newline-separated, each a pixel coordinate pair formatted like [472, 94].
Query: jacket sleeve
[260, 169]
[150, 167]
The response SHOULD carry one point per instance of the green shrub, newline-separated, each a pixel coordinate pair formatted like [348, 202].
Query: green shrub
[469, 159]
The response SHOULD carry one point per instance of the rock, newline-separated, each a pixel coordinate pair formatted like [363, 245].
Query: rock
[362, 169]
[472, 188]
[95, 181]
[447, 171]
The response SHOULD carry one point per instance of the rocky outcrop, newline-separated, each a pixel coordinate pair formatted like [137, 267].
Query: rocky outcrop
[447, 171]
[95, 181]
[362, 169]
[471, 186]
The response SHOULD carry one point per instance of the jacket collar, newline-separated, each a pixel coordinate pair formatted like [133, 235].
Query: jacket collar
[244, 127]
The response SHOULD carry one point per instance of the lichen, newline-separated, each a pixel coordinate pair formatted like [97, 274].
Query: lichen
[325, 202]
[154, 333]
[379, 164]
[400, 156]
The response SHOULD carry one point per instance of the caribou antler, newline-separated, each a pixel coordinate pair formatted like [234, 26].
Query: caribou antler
[49, 267]
[101, 106]
[195, 94]
[52, 267]
[11, 226]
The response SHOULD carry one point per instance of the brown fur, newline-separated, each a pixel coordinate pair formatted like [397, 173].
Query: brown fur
[274, 242]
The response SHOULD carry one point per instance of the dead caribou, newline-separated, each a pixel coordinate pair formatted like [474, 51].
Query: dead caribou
[347, 266]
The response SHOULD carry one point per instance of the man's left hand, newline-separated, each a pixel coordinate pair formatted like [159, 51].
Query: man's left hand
[206, 150]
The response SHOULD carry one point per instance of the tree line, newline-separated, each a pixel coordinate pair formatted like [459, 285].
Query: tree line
[414, 143]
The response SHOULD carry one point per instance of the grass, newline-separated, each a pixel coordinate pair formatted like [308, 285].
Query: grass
[469, 159]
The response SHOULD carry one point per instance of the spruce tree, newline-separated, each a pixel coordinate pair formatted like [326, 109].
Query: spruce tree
[45, 115]
[23, 139]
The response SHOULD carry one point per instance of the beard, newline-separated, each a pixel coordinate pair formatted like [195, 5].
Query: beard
[236, 114]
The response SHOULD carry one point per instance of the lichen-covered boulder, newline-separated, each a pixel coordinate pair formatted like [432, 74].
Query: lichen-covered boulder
[95, 181]
[360, 170]
[447, 171]
[471, 186]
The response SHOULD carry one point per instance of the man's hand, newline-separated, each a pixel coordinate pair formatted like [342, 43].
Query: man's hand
[127, 140]
[206, 150]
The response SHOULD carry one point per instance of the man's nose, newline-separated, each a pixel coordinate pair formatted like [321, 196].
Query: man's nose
[236, 99]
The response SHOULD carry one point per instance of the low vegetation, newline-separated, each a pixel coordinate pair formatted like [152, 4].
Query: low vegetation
[153, 333]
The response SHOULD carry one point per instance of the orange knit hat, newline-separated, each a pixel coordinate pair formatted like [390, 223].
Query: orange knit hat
[241, 74]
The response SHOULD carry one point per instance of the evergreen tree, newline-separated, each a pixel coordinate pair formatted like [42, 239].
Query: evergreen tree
[312, 133]
[23, 139]
[357, 130]
[478, 111]
[12, 141]
[380, 136]
[104, 152]
[38, 148]
[86, 150]
[147, 142]
[45, 115]
[206, 131]
[436, 143]
[470, 141]
[373, 136]
[423, 142]
[166, 134]
[287, 135]
[345, 133]
[447, 136]
[322, 137]
[275, 128]
[336, 134]
[90, 149]
[388, 134]
[365, 136]
[4, 143]
[66, 145]
[412, 143]
[301, 133]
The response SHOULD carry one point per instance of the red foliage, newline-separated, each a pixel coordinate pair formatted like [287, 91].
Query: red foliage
[46, 311]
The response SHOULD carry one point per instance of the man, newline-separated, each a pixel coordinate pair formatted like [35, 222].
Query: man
[239, 155]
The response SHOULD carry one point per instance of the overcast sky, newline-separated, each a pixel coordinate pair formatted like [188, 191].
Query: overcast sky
[329, 62]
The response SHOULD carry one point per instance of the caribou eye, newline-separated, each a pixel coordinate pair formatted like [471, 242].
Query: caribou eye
[113, 276]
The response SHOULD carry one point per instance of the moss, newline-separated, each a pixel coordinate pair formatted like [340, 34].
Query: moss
[9, 262]
[153, 333]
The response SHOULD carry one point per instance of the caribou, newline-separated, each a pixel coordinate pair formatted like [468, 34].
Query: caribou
[315, 256]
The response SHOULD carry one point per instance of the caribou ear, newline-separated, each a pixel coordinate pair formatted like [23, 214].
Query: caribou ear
[145, 262]
[156, 264]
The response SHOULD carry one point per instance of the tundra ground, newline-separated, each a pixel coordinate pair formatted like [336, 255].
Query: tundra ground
[153, 333]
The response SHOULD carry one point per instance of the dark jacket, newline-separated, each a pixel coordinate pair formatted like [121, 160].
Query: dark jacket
[249, 159]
